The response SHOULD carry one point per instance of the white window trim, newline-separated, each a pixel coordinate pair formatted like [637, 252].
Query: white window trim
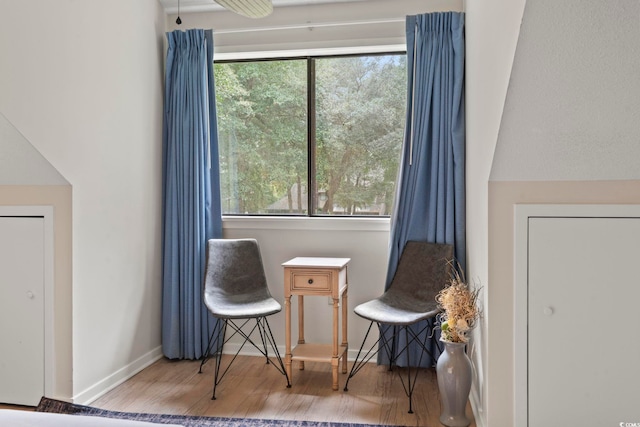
[296, 53]
[230, 222]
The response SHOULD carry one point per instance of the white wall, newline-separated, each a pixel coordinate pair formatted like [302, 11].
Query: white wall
[573, 103]
[568, 135]
[20, 162]
[492, 28]
[82, 81]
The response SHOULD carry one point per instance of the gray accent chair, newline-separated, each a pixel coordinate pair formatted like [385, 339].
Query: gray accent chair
[236, 293]
[423, 270]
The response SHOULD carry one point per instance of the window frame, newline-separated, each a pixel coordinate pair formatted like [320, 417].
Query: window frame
[310, 59]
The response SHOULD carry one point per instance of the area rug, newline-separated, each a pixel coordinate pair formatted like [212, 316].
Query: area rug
[60, 407]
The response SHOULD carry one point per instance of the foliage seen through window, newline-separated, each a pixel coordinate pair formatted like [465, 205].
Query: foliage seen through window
[332, 124]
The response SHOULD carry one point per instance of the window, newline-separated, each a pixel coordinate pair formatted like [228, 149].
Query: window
[330, 124]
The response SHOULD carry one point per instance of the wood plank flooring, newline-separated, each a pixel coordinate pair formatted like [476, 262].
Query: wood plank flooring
[253, 389]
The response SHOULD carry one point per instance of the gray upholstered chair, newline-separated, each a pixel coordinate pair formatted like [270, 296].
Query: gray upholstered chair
[236, 292]
[423, 270]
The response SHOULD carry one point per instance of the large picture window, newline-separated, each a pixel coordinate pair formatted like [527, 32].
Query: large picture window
[310, 136]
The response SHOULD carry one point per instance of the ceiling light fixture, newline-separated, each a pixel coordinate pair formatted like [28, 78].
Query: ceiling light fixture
[178, 21]
[248, 8]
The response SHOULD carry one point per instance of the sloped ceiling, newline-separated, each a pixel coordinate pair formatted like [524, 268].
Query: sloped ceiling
[21, 163]
[572, 110]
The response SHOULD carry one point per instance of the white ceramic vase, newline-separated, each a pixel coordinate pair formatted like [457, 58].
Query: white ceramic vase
[454, 382]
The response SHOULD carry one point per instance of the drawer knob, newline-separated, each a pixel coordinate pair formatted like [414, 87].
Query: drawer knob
[310, 281]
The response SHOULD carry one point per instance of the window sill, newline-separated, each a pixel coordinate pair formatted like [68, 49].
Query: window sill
[306, 223]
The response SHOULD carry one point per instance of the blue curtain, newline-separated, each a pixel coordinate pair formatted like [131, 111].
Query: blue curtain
[191, 210]
[430, 199]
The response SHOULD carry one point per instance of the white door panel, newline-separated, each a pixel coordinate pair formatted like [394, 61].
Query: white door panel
[583, 311]
[21, 310]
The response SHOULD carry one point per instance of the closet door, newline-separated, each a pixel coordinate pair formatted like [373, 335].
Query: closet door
[21, 310]
[583, 310]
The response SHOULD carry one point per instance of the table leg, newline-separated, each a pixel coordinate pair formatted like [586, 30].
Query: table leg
[301, 326]
[287, 335]
[345, 341]
[335, 358]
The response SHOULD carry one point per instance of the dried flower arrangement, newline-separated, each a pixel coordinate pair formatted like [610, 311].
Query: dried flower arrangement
[460, 312]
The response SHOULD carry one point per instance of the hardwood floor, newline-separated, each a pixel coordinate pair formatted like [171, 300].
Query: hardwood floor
[16, 407]
[253, 389]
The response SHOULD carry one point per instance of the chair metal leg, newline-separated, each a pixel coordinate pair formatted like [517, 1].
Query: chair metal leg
[391, 346]
[207, 353]
[269, 336]
[263, 339]
[359, 363]
[392, 354]
[218, 355]
[266, 340]
[410, 337]
[410, 389]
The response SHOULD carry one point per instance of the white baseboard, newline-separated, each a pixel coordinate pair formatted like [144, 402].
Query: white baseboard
[121, 375]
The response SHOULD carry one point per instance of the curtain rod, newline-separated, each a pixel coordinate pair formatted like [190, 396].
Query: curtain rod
[309, 25]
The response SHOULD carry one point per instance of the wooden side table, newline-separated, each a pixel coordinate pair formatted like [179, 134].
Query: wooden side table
[320, 277]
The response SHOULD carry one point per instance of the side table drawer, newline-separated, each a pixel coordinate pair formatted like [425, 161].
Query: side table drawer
[310, 280]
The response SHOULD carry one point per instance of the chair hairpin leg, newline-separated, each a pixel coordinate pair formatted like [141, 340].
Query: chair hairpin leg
[410, 393]
[410, 337]
[390, 346]
[281, 368]
[218, 355]
[262, 338]
[207, 352]
[266, 339]
[392, 355]
[359, 362]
